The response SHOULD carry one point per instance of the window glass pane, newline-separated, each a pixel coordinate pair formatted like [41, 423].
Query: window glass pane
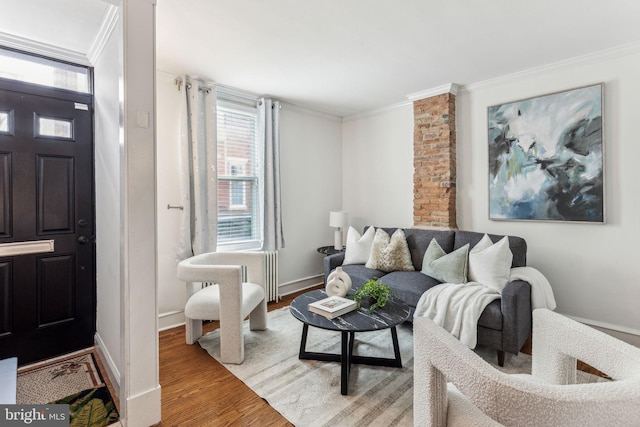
[34, 69]
[238, 219]
[5, 118]
[56, 128]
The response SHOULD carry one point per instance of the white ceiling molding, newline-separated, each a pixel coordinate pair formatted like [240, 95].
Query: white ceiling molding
[107, 26]
[451, 88]
[44, 49]
[377, 111]
[294, 107]
[592, 58]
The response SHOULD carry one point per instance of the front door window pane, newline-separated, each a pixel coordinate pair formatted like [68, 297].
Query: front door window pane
[55, 128]
[5, 122]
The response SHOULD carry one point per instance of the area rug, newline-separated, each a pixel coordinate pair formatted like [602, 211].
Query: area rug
[307, 393]
[75, 381]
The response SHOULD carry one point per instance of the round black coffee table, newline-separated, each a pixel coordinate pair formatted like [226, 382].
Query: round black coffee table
[388, 317]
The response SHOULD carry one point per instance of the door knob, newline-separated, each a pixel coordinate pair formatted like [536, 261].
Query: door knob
[83, 240]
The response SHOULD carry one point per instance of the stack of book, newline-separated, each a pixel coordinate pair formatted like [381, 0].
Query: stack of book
[332, 307]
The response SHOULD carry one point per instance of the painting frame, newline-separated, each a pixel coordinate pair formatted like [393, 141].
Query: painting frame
[547, 157]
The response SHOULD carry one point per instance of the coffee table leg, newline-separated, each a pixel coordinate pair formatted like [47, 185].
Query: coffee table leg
[396, 347]
[303, 341]
[345, 360]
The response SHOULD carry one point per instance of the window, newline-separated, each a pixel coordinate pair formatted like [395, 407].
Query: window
[6, 122]
[238, 165]
[49, 127]
[35, 69]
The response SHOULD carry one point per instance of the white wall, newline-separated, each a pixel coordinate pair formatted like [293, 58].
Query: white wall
[378, 168]
[311, 179]
[590, 266]
[107, 74]
[171, 291]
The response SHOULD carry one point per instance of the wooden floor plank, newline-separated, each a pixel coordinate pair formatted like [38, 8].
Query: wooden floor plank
[199, 391]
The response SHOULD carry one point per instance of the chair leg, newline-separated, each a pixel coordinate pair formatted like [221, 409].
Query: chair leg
[258, 317]
[193, 330]
[231, 339]
[500, 358]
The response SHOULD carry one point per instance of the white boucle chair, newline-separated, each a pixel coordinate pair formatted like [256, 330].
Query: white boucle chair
[228, 299]
[480, 395]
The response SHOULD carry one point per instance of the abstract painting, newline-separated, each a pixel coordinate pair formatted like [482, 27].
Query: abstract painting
[546, 157]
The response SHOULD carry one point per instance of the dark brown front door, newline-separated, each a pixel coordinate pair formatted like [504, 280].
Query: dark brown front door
[47, 246]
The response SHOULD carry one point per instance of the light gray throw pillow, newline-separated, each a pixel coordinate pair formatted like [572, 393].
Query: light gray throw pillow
[445, 267]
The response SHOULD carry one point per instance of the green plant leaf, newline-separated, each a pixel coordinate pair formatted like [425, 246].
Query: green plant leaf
[93, 413]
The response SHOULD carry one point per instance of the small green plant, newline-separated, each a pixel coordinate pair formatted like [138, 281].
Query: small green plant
[374, 289]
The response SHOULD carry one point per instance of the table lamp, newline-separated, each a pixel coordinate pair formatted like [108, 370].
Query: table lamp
[339, 220]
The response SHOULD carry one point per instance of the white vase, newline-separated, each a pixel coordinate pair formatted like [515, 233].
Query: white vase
[338, 283]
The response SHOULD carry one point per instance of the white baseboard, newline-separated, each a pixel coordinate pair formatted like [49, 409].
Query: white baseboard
[112, 370]
[170, 320]
[628, 335]
[299, 285]
[144, 409]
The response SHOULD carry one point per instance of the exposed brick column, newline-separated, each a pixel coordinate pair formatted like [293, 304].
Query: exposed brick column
[434, 162]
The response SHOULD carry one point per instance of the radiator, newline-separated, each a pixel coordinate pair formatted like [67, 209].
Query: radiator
[271, 274]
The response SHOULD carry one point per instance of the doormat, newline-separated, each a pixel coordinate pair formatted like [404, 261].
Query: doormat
[75, 381]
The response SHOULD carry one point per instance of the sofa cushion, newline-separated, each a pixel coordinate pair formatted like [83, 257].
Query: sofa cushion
[360, 274]
[446, 267]
[490, 263]
[390, 253]
[358, 247]
[408, 285]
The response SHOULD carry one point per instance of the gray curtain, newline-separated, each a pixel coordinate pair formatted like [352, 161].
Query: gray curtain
[198, 162]
[269, 127]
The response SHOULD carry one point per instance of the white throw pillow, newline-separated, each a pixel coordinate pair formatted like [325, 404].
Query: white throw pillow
[490, 264]
[358, 247]
[390, 253]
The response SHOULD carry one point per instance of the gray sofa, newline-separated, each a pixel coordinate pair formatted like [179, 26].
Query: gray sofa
[504, 325]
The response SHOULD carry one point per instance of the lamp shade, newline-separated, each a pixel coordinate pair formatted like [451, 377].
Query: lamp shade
[338, 219]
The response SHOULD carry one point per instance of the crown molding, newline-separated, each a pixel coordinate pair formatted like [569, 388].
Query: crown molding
[583, 60]
[43, 49]
[310, 111]
[451, 88]
[377, 111]
[108, 25]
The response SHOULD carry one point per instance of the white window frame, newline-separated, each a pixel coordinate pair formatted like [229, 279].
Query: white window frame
[235, 100]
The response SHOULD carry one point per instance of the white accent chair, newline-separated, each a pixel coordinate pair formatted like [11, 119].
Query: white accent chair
[228, 299]
[480, 395]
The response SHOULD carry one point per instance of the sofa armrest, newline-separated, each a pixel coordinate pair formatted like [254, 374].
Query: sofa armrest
[331, 262]
[516, 315]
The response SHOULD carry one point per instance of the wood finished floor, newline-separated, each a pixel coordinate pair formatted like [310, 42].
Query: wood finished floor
[198, 391]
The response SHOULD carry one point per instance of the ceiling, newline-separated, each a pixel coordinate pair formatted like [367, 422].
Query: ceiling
[348, 56]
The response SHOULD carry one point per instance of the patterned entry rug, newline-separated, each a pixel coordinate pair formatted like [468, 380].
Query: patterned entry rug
[75, 381]
[307, 393]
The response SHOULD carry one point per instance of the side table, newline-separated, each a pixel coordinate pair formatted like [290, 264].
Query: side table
[329, 250]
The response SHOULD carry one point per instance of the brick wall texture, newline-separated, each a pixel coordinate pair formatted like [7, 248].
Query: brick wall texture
[434, 161]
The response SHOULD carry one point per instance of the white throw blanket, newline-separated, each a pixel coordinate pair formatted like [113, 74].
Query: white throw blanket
[541, 292]
[457, 308]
